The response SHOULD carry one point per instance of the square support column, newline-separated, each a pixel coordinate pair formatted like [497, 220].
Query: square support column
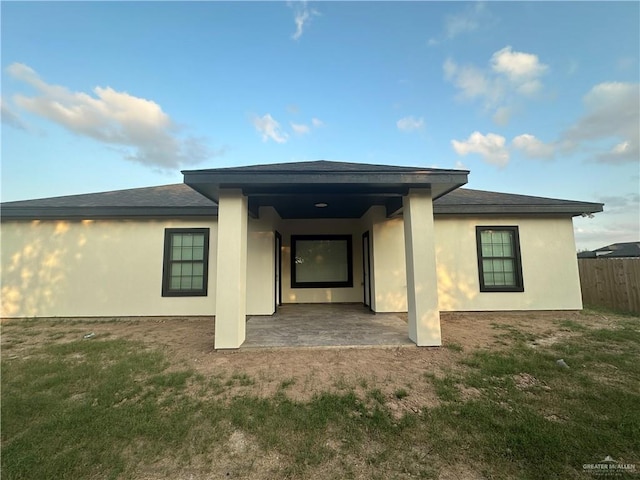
[231, 276]
[422, 280]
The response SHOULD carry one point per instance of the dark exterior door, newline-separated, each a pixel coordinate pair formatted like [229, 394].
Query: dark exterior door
[278, 269]
[366, 269]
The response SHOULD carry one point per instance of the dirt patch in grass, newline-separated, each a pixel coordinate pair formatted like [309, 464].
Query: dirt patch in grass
[525, 381]
[302, 373]
[348, 412]
[299, 374]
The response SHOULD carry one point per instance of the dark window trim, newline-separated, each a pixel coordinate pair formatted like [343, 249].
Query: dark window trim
[166, 278]
[519, 286]
[346, 284]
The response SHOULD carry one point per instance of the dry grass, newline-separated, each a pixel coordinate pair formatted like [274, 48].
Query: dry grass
[151, 399]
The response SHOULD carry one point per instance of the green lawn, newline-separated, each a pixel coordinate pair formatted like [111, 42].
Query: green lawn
[113, 408]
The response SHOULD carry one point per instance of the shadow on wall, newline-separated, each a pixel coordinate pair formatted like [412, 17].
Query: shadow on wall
[457, 288]
[389, 266]
[394, 300]
[36, 261]
[58, 268]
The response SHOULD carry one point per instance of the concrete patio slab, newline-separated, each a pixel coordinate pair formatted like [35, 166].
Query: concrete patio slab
[326, 325]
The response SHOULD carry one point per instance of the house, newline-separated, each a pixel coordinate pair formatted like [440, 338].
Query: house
[233, 242]
[615, 250]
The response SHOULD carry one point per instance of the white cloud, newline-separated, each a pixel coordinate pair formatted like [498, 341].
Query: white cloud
[494, 150]
[302, 16]
[592, 233]
[619, 223]
[612, 115]
[472, 82]
[466, 21]
[460, 166]
[491, 147]
[621, 204]
[621, 148]
[519, 67]
[474, 17]
[410, 124]
[300, 129]
[626, 63]
[502, 116]
[114, 118]
[610, 128]
[532, 147]
[269, 128]
[303, 129]
[10, 117]
[508, 77]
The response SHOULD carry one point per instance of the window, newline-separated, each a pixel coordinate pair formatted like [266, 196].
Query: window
[321, 261]
[186, 260]
[499, 262]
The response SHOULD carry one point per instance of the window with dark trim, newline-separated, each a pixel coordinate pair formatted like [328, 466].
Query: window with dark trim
[186, 261]
[499, 263]
[321, 261]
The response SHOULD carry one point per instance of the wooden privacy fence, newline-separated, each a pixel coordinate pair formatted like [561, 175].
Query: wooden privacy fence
[611, 283]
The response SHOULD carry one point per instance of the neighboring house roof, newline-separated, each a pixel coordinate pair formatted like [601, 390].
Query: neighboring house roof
[615, 250]
[181, 200]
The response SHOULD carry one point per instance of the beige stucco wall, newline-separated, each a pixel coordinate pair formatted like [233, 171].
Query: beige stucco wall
[261, 264]
[114, 267]
[93, 268]
[549, 266]
[389, 267]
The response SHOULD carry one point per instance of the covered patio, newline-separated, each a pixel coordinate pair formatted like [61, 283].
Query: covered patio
[348, 219]
[326, 325]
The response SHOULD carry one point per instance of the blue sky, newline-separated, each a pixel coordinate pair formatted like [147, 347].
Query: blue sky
[538, 98]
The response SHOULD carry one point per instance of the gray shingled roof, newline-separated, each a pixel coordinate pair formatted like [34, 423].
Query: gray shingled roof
[165, 200]
[176, 195]
[180, 200]
[320, 166]
[468, 201]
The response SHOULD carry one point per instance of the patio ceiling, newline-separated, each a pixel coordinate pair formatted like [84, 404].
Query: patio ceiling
[325, 204]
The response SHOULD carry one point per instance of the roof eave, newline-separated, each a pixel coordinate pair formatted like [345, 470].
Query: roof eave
[77, 213]
[573, 210]
[234, 178]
